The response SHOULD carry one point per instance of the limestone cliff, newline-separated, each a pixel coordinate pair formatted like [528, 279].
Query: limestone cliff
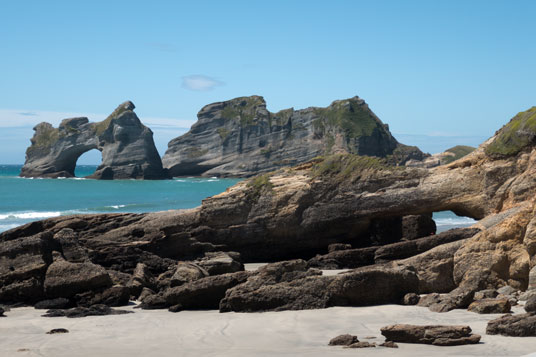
[127, 147]
[240, 137]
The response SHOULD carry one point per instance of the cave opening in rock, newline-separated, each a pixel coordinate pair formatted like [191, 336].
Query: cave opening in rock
[446, 220]
[87, 163]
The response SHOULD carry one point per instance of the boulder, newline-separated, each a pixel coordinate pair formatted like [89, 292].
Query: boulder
[338, 246]
[65, 279]
[530, 304]
[490, 306]
[389, 344]
[187, 272]
[58, 303]
[417, 226]
[141, 278]
[343, 340]
[94, 310]
[519, 325]
[204, 293]
[438, 335]
[2, 312]
[57, 330]
[220, 262]
[486, 294]
[117, 295]
[290, 286]
[23, 263]
[411, 299]
[127, 146]
[363, 344]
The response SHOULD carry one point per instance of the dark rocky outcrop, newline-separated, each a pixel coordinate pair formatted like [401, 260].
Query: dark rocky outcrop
[343, 340]
[94, 310]
[353, 258]
[437, 335]
[240, 137]
[290, 286]
[127, 146]
[520, 325]
[490, 306]
[57, 330]
[57, 303]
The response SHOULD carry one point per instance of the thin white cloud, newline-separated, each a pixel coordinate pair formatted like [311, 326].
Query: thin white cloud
[200, 83]
[16, 118]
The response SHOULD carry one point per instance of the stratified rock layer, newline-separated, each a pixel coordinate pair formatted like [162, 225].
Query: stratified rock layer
[127, 147]
[240, 137]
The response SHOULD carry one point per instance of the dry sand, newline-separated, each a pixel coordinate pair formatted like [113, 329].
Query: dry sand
[209, 333]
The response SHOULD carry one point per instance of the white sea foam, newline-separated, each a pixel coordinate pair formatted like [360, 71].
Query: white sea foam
[118, 206]
[29, 215]
[6, 227]
[465, 221]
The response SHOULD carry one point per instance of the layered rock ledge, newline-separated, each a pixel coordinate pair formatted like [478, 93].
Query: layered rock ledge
[240, 137]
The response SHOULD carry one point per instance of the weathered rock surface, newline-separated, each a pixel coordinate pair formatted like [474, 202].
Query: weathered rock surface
[450, 155]
[240, 137]
[94, 310]
[290, 286]
[530, 304]
[57, 330]
[362, 344]
[353, 258]
[65, 279]
[343, 340]
[127, 146]
[437, 335]
[297, 213]
[490, 306]
[57, 303]
[204, 293]
[520, 325]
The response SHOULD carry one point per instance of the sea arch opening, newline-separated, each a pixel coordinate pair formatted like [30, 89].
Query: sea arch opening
[87, 163]
[446, 220]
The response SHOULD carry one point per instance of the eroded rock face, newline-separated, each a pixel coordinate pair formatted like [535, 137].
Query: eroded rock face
[298, 212]
[127, 146]
[437, 335]
[240, 137]
[513, 325]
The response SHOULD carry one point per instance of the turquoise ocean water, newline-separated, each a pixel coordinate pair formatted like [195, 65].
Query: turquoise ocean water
[23, 200]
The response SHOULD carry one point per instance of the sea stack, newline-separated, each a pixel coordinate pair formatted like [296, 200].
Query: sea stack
[127, 146]
[240, 137]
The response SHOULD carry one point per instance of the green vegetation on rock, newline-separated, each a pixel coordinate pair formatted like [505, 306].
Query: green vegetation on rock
[243, 109]
[345, 166]
[459, 151]
[46, 137]
[514, 136]
[223, 132]
[348, 115]
[195, 152]
[258, 184]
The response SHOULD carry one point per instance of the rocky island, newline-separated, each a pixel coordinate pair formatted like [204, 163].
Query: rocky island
[241, 138]
[127, 146]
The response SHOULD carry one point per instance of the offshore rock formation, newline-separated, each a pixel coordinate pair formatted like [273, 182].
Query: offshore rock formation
[298, 213]
[240, 137]
[127, 147]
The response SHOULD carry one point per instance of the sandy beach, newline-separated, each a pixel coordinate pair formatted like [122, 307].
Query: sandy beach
[210, 333]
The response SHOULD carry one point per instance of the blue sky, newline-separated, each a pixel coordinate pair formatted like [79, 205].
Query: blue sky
[436, 72]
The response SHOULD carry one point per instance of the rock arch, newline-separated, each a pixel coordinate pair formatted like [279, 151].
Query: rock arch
[127, 147]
